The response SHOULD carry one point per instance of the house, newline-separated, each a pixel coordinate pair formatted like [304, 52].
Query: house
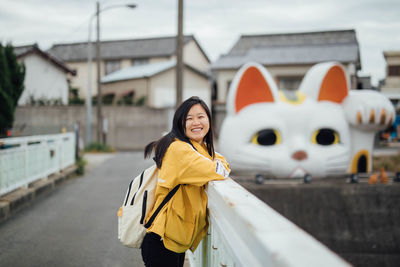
[391, 86]
[287, 56]
[155, 84]
[45, 77]
[135, 54]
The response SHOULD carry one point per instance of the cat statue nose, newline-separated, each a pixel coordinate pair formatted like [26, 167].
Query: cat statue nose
[299, 155]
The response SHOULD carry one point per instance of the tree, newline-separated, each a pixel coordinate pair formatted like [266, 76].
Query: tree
[17, 73]
[12, 75]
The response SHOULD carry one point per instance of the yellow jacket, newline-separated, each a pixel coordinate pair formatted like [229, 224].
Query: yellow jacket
[182, 222]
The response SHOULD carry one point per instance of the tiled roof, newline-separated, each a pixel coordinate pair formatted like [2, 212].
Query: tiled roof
[22, 51]
[135, 48]
[292, 48]
[19, 50]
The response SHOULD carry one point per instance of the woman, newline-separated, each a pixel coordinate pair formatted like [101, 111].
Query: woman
[184, 156]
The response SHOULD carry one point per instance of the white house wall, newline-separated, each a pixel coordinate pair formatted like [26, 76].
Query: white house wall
[224, 77]
[159, 59]
[43, 80]
[193, 56]
[163, 93]
[392, 83]
[139, 86]
[81, 79]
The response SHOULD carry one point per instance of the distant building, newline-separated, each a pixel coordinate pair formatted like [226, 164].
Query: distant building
[391, 86]
[128, 68]
[45, 76]
[364, 82]
[287, 57]
[155, 82]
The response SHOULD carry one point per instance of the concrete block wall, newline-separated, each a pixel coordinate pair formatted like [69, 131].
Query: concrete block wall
[129, 128]
[360, 222]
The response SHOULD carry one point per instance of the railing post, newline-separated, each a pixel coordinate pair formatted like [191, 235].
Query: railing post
[25, 146]
[205, 245]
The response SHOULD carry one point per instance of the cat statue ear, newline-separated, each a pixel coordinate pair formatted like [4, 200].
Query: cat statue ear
[252, 84]
[326, 82]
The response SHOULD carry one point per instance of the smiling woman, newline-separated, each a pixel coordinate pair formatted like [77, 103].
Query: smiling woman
[197, 124]
[185, 156]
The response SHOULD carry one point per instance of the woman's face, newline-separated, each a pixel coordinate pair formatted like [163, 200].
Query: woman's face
[197, 123]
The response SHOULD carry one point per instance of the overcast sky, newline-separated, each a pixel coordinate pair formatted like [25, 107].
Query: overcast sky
[216, 24]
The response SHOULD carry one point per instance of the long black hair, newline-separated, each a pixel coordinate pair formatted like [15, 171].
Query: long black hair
[178, 131]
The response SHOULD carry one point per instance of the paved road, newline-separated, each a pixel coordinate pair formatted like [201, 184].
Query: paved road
[75, 224]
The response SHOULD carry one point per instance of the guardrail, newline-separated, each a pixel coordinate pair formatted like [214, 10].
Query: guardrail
[244, 231]
[26, 159]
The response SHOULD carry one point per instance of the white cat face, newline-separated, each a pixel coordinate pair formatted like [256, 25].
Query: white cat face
[265, 132]
[285, 140]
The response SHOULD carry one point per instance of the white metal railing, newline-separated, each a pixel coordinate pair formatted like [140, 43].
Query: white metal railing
[26, 159]
[244, 231]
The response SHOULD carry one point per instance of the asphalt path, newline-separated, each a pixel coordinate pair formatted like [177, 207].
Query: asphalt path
[76, 223]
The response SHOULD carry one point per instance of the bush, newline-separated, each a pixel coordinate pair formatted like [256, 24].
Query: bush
[98, 147]
[77, 101]
[141, 101]
[80, 164]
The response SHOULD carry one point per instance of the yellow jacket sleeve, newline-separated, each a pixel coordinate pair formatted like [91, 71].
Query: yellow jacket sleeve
[182, 164]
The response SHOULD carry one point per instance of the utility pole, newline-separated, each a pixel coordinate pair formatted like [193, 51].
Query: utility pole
[89, 62]
[179, 55]
[99, 94]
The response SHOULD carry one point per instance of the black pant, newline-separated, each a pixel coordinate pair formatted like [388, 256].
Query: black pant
[154, 253]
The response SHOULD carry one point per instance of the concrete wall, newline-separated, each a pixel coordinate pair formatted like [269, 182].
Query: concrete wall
[129, 128]
[360, 222]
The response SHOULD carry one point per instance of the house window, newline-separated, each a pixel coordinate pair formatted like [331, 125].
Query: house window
[139, 61]
[289, 83]
[394, 71]
[112, 65]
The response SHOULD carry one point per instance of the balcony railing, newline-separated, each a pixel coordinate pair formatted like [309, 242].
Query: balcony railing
[244, 231]
[24, 160]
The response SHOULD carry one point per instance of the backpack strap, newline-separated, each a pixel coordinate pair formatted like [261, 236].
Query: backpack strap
[165, 201]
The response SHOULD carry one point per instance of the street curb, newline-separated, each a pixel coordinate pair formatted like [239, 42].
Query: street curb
[19, 198]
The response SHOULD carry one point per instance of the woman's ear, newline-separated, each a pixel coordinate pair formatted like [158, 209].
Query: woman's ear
[326, 82]
[252, 84]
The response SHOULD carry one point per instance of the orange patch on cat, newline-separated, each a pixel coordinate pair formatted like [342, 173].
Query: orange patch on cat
[334, 86]
[372, 116]
[359, 118]
[383, 117]
[391, 119]
[252, 89]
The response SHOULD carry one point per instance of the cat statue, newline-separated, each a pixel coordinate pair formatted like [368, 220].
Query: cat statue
[322, 129]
